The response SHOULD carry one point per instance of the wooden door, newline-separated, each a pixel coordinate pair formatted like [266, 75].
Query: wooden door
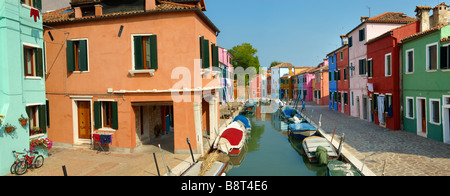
[424, 116]
[84, 120]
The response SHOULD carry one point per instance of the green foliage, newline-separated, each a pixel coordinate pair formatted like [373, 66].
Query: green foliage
[245, 56]
[274, 63]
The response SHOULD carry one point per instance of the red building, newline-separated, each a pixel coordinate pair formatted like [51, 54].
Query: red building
[342, 79]
[383, 67]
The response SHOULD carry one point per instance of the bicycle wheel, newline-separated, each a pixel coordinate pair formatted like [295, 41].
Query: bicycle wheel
[13, 168]
[38, 161]
[21, 167]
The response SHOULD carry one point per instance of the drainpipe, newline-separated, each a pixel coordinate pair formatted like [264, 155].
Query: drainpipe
[400, 83]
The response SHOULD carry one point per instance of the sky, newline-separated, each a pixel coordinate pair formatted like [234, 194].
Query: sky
[301, 32]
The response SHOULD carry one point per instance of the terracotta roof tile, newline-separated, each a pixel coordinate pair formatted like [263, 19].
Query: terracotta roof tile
[423, 33]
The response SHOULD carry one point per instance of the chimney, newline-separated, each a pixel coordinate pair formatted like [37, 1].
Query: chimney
[150, 5]
[440, 15]
[364, 18]
[98, 10]
[423, 15]
[78, 13]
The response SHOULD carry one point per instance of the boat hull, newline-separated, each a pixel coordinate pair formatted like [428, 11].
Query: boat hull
[310, 145]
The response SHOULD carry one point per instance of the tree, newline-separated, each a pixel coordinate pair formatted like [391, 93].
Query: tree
[245, 56]
[274, 63]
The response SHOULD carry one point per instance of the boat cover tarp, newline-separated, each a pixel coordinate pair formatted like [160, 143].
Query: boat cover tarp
[301, 127]
[290, 112]
[244, 120]
[322, 155]
[339, 168]
[234, 136]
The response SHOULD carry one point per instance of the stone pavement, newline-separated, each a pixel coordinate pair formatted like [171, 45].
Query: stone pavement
[397, 153]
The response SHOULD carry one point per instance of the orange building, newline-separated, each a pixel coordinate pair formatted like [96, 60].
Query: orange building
[133, 71]
[321, 88]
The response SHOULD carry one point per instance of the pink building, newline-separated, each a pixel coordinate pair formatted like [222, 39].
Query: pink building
[255, 87]
[308, 84]
[369, 28]
[225, 58]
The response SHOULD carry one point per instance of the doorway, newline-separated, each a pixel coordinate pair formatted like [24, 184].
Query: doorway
[365, 103]
[357, 107]
[84, 120]
[446, 117]
[421, 117]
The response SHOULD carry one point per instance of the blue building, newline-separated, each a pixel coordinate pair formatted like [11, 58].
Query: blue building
[22, 78]
[332, 65]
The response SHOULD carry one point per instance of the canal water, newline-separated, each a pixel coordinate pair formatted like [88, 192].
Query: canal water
[271, 152]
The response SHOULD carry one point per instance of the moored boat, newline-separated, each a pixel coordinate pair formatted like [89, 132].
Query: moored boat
[312, 144]
[302, 130]
[230, 141]
[339, 168]
[244, 120]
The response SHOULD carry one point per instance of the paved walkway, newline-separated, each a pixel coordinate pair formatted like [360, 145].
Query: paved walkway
[398, 153]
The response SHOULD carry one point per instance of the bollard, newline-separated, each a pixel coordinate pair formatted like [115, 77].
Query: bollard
[156, 163]
[64, 170]
[193, 160]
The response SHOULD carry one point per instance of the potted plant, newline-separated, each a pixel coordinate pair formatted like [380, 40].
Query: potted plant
[9, 128]
[35, 130]
[23, 121]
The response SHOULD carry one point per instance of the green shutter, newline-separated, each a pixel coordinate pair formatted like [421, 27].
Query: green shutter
[70, 56]
[201, 48]
[39, 64]
[97, 115]
[47, 112]
[114, 116]
[206, 53]
[153, 52]
[138, 60]
[213, 57]
[216, 55]
[42, 118]
[82, 58]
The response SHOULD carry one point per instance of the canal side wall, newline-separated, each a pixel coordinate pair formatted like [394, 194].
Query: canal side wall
[345, 153]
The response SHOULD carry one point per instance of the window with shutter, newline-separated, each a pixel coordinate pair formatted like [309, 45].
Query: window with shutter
[205, 56]
[77, 55]
[445, 57]
[33, 61]
[145, 53]
[106, 115]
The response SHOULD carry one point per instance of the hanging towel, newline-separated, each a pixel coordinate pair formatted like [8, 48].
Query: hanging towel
[105, 139]
[96, 137]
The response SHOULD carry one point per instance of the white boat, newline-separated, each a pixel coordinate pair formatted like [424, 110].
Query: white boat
[310, 145]
[231, 139]
[217, 169]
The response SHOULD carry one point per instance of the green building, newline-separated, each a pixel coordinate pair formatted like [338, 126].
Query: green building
[22, 78]
[426, 76]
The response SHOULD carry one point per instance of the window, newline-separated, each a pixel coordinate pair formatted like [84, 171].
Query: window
[435, 111]
[362, 67]
[432, 56]
[362, 34]
[33, 64]
[409, 107]
[33, 3]
[345, 73]
[329, 76]
[37, 119]
[445, 57]
[388, 104]
[77, 55]
[350, 42]
[342, 56]
[370, 68]
[410, 61]
[339, 97]
[388, 64]
[106, 115]
[353, 101]
[145, 52]
[346, 98]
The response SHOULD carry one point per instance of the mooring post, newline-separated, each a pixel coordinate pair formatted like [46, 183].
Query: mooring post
[64, 170]
[156, 163]
[192, 154]
[164, 162]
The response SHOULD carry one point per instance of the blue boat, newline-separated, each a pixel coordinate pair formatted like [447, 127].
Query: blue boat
[302, 130]
[289, 113]
[245, 121]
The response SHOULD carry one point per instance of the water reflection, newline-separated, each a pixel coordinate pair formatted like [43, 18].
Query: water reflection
[271, 152]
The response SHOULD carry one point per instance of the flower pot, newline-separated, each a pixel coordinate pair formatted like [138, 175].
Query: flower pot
[9, 129]
[23, 122]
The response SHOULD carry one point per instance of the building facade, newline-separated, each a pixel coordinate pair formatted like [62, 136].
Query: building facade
[426, 75]
[276, 73]
[383, 73]
[22, 78]
[155, 64]
[227, 81]
[342, 80]
[369, 28]
[332, 78]
[321, 90]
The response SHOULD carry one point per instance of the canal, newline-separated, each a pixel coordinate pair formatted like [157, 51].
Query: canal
[270, 151]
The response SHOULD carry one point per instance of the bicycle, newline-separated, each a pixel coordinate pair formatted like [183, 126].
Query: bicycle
[33, 161]
[13, 166]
